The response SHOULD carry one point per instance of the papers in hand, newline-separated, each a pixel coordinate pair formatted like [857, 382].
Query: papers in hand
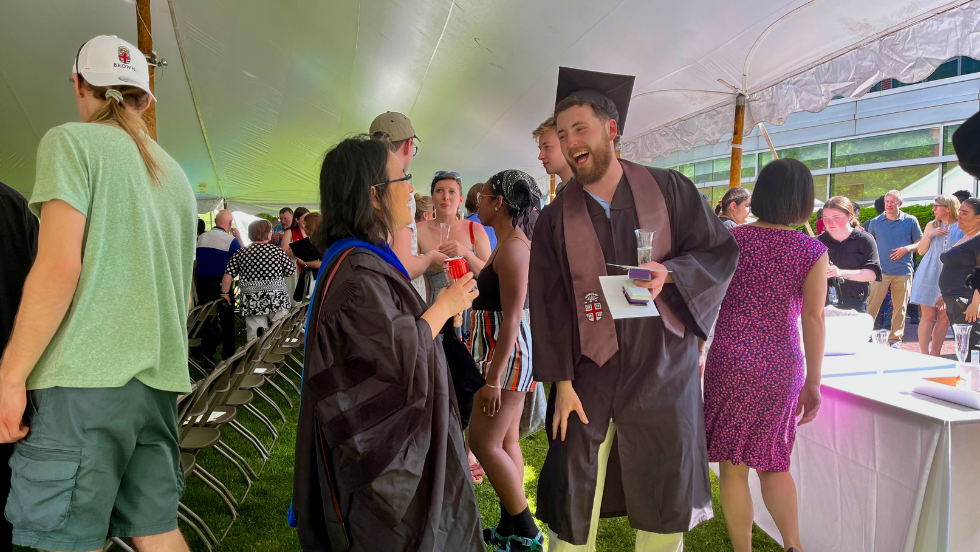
[612, 290]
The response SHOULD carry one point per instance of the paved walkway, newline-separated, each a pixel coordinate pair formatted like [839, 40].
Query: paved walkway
[910, 341]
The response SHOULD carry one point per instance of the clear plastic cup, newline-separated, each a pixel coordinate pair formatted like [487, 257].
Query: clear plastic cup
[644, 246]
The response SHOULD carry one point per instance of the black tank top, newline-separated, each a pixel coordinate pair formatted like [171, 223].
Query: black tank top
[489, 285]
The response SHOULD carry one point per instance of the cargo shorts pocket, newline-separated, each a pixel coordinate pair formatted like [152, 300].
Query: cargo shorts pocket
[41, 486]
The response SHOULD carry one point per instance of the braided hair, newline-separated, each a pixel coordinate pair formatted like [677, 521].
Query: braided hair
[520, 193]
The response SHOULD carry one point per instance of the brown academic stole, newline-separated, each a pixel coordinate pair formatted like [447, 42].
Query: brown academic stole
[597, 329]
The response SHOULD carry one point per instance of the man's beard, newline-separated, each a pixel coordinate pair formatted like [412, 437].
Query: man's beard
[593, 172]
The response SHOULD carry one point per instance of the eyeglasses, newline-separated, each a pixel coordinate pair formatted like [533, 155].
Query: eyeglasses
[406, 178]
[447, 174]
[75, 67]
[415, 151]
[480, 196]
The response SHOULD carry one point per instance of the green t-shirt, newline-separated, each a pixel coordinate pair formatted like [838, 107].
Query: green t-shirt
[128, 318]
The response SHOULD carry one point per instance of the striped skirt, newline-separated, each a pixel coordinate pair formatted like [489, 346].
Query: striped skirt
[485, 326]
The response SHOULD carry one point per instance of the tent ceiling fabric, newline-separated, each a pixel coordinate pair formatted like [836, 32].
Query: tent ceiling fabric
[279, 82]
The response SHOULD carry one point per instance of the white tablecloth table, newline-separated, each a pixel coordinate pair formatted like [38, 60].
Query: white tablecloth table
[882, 469]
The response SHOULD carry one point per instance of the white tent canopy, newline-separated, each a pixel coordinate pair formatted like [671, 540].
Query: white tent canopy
[278, 82]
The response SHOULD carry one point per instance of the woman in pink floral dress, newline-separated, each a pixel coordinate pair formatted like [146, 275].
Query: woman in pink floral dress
[755, 383]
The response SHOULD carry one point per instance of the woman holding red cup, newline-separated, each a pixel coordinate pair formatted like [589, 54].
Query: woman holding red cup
[466, 239]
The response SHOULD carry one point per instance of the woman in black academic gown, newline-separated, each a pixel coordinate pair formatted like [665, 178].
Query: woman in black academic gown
[380, 463]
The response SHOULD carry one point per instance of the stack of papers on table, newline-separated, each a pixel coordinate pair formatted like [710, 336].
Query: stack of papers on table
[945, 389]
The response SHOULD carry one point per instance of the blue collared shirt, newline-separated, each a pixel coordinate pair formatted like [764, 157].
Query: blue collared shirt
[892, 234]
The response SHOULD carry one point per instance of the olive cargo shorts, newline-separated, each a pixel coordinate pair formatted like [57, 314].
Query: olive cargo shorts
[96, 463]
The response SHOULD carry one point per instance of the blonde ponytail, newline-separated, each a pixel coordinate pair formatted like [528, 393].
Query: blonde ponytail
[115, 113]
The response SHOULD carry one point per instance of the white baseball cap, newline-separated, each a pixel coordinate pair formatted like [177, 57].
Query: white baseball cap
[111, 61]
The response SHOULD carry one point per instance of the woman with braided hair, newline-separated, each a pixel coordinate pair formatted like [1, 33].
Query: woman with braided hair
[501, 345]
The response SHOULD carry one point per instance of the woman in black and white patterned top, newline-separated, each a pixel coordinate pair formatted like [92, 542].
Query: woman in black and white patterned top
[261, 269]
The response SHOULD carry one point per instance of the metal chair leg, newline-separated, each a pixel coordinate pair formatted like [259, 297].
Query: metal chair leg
[228, 500]
[289, 380]
[251, 438]
[241, 460]
[116, 541]
[280, 390]
[211, 477]
[223, 452]
[258, 392]
[262, 418]
[195, 528]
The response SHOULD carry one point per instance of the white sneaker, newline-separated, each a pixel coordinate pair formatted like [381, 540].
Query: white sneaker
[895, 345]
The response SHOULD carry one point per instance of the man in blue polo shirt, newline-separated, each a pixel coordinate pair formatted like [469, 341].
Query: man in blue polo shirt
[214, 249]
[897, 235]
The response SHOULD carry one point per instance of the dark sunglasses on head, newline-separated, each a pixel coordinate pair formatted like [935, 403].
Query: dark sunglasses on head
[447, 174]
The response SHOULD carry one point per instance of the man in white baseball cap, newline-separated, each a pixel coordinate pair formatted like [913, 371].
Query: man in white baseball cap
[98, 352]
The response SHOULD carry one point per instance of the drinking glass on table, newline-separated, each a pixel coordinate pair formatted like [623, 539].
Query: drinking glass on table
[962, 334]
[644, 246]
[880, 337]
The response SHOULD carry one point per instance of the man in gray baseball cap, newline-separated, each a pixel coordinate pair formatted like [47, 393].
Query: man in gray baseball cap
[397, 130]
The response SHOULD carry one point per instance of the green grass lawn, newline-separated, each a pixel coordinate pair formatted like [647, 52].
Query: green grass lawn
[261, 525]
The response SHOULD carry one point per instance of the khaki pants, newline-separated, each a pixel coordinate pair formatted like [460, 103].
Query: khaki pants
[645, 542]
[901, 287]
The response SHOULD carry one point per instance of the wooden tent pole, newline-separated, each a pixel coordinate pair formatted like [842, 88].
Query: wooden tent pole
[765, 133]
[735, 177]
[552, 189]
[144, 39]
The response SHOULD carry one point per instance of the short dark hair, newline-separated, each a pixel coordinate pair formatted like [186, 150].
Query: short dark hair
[572, 101]
[259, 230]
[349, 171]
[962, 195]
[880, 205]
[783, 193]
[285, 210]
[974, 204]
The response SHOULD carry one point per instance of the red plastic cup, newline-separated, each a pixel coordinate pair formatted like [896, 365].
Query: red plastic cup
[455, 268]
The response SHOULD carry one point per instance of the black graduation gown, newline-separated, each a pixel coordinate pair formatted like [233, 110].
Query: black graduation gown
[657, 473]
[379, 424]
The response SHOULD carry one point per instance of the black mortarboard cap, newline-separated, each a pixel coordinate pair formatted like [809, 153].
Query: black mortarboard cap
[609, 91]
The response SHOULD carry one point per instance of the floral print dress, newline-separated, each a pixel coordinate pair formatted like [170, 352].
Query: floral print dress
[754, 371]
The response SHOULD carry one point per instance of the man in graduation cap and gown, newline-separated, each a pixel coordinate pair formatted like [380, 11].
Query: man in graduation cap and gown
[626, 427]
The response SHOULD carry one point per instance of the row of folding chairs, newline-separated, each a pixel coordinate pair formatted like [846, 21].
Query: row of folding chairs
[263, 370]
